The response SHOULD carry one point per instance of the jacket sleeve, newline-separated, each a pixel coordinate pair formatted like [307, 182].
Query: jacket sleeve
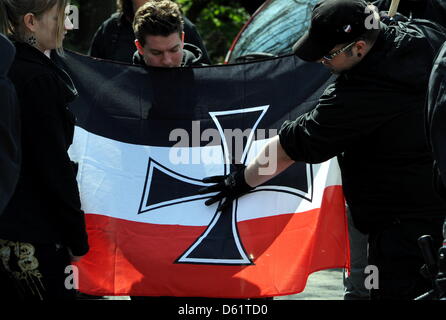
[341, 119]
[48, 121]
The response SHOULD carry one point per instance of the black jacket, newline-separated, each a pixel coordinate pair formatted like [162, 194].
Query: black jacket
[45, 207]
[192, 57]
[436, 120]
[115, 39]
[433, 10]
[371, 117]
[9, 126]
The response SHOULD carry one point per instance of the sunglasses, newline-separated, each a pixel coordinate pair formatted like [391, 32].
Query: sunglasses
[331, 56]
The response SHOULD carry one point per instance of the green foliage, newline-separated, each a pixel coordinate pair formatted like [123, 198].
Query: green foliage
[217, 23]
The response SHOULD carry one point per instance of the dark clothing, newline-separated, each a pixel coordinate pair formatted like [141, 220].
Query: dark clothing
[9, 127]
[354, 281]
[394, 248]
[436, 120]
[115, 39]
[192, 57]
[371, 117]
[36, 272]
[45, 208]
[433, 10]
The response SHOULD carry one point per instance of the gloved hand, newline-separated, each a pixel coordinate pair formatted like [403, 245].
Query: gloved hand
[230, 187]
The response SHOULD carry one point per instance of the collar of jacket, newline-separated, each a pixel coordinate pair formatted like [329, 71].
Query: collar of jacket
[191, 57]
[28, 53]
[138, 59]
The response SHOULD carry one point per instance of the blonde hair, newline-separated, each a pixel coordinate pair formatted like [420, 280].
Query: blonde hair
[13, 11]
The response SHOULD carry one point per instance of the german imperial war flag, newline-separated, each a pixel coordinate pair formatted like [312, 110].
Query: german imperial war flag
[145, 139]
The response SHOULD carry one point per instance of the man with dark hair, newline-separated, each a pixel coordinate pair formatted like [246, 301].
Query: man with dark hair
[371, 118]
[158, 27]
[114, 39]
[9, 126]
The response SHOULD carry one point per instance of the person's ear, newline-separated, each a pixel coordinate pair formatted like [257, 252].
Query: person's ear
[139, 47]
[29, 20]
[361, 47]
[182, 39]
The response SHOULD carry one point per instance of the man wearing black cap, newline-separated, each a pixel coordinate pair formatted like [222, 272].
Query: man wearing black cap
[371, 118]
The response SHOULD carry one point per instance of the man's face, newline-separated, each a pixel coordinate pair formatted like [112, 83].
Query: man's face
[160, 51]
[342, 62]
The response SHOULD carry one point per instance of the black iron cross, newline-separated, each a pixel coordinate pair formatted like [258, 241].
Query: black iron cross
[220, 243]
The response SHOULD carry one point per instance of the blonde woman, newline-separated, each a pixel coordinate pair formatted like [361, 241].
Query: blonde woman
[42, 229]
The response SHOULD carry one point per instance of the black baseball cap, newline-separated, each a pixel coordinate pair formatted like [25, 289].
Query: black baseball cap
[333, 22]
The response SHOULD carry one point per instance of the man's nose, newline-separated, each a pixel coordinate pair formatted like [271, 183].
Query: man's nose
[167, 59]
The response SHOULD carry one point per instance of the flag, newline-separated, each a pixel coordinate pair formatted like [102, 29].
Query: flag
[146, 137]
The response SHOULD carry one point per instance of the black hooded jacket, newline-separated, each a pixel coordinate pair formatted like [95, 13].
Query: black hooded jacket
[192, 57]
[9, 126]
[436, 120]
[45, 207]
[371, 118]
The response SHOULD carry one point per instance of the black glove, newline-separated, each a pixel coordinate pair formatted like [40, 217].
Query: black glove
[230, 186]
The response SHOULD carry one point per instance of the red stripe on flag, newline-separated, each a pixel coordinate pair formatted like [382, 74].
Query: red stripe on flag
[132, 258]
